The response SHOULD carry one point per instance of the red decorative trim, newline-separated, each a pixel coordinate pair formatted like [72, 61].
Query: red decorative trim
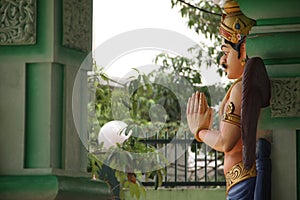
[225, 33]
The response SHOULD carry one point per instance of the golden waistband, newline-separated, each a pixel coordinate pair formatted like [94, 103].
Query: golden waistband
[237, 174]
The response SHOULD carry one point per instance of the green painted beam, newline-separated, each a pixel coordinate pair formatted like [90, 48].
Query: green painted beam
[82, 188]
[52, 187]
[282, 61]
[278, 21]
[28, 187]
[257, 9]
[275, 45]
[277, 123]
[283, 70]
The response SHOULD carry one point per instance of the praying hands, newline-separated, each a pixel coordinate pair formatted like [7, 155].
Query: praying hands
[199, 114]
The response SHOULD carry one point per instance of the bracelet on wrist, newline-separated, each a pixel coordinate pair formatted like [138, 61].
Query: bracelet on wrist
[197, 138]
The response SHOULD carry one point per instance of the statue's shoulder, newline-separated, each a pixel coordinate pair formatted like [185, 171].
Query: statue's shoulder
[237, 87]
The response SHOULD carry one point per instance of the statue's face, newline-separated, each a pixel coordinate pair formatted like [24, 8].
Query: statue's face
[232, 65]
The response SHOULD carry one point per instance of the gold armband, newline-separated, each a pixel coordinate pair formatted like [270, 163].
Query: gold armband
[230, 117]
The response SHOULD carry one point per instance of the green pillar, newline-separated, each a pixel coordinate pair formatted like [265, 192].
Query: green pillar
[42, 45]
[275, 39]
[38, 114]
[44, 111]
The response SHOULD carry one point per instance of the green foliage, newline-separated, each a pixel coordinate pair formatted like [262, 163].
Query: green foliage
[135, 97]
[182, 66]
[132, 101]
[138, 97]
[121, 157]
[206, 23]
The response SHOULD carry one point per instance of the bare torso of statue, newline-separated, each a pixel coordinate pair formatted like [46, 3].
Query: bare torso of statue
[247, 174]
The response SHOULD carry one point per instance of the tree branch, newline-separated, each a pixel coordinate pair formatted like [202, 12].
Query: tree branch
[195, 7]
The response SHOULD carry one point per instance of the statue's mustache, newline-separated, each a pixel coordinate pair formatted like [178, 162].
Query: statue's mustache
[224, 65]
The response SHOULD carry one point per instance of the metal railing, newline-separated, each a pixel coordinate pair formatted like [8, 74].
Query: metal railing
[201, 167]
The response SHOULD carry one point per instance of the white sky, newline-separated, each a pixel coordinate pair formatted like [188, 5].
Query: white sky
[113, 17]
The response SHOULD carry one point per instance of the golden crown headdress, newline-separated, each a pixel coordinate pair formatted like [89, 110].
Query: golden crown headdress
[234, 23]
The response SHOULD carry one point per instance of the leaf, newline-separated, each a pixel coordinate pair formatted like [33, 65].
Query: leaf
[184, 11]
[104, 77]
[137, 191]
[143, 191]
[131, 189]
[135, 69]
[152, 174]
[160, 178]
[156, 183]
[126, 184]
[122, 195]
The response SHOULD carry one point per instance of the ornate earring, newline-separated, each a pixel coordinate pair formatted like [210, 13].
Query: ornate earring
[243, 62]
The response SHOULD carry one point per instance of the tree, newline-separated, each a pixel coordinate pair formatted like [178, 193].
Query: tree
[204, 17]
[135, 98]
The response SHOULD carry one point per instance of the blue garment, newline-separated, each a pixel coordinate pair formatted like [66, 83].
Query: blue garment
[259, 187]
[263, 168]
[244, 190]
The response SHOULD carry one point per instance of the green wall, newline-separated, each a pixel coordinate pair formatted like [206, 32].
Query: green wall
[41, 154]
[179, 194]
[48, 187]
[276, 39]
